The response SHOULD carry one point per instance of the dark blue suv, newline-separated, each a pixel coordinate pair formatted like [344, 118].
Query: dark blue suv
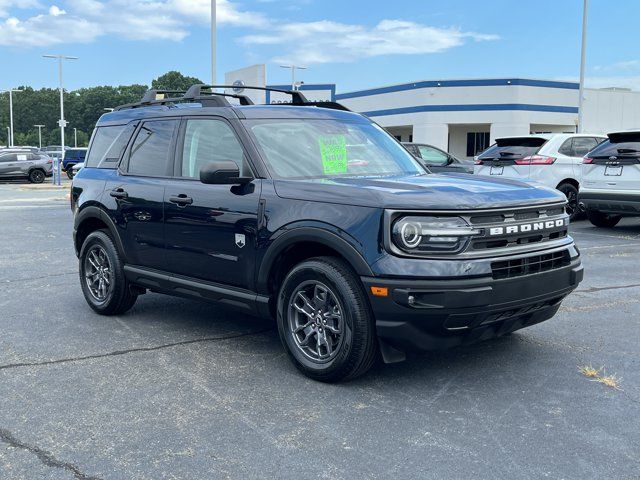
[315, 216]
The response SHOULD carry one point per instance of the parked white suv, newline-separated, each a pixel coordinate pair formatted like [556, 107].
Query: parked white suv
[611, 179]
[554, 160]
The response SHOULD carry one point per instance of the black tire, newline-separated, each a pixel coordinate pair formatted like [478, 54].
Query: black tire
[355, 351]
[603, 220]
[571, 192]
[119, 296]
[36, 176]
[69, 173]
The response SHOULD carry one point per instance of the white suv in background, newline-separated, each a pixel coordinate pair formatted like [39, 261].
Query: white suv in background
[554, 160]
[611, 179]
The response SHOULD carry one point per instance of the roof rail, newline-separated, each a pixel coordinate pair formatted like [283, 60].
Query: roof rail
[208, 97]
[297, 98]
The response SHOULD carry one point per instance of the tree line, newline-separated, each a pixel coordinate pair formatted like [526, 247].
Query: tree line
[82, 108]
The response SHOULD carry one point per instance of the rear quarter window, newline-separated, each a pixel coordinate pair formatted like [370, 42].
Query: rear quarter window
[107, 145]
[618, 145]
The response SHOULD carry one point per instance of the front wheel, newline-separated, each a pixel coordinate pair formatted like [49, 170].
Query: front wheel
[104, 285]
[70, 173]
[325, 322]
[603, 220]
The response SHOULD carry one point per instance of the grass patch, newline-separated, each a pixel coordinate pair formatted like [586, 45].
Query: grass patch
[600, 376]
[610, 381]
[589, 371]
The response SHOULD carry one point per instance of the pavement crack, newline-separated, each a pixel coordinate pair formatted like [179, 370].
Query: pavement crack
[45, 457]
[613, 287]
[133, 350]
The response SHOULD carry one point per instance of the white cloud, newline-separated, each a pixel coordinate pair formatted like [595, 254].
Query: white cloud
[326, 41]
[6, 5]
[55, 11]
[132, 20]
[619, 66]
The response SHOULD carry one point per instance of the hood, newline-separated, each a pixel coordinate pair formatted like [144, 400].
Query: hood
[430, 192]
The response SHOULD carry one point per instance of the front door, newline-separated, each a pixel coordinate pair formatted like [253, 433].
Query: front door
[211, 229]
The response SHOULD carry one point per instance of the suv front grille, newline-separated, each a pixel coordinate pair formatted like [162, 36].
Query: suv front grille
[504, 230]
[528, 265]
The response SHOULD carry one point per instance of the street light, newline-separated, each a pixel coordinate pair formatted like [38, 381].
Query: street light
[39, 135]
[75, 137]
[293, 73]
[8, 136]
[11, 90]
[62, 123]
[583, 53]
[214, 27]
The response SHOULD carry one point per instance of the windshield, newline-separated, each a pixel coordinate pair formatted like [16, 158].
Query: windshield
[300, 149]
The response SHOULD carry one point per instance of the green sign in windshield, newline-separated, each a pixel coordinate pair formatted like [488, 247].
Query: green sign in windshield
[333, 151]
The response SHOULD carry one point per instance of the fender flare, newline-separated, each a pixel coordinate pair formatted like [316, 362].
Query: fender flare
[309, 234]
[95, 212]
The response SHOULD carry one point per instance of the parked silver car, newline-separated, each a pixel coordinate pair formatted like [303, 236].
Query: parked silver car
[16, 163]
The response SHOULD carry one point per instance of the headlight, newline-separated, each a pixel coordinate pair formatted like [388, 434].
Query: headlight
[424, 235]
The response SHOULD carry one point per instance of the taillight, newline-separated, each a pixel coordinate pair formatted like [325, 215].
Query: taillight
[50, 160]
[535, 160]
[479, 162]
[587, 160]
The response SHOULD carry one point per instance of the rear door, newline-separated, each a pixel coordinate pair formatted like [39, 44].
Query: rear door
[135, 193]
[509, 157]
[614, 165]
[6, 163]
[211, 229]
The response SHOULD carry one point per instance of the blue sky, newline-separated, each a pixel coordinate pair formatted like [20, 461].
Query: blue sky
[355, 44]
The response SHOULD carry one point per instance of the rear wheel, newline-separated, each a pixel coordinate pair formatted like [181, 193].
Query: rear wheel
[102, 278]
[603, 220]
[70, 173]
[36, 176]
[571, 192]
[325, 322]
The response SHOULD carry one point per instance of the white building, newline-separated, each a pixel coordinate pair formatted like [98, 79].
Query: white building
[465, 116]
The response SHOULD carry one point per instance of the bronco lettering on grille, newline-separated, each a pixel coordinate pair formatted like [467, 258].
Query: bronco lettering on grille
[528, 227]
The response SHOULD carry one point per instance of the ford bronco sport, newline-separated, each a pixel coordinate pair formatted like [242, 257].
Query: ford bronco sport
[314, 215]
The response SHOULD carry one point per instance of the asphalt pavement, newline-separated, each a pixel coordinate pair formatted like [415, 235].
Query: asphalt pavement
[181, 389]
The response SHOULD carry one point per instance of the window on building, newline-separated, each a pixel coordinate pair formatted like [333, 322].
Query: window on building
[476, 142]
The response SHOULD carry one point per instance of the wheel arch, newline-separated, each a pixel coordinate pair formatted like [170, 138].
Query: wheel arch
[90, 219]
[570, 181]
[302, 243]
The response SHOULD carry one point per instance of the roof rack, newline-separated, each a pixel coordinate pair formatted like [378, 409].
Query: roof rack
[208, 97]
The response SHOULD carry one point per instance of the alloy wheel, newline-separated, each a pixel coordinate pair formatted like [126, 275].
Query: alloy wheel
[98, 273]
[316, 322]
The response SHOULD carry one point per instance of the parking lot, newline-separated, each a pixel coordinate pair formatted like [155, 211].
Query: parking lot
[181, 389]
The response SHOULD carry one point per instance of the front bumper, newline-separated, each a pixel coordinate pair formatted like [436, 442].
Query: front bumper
[610, 202]
[437, 314]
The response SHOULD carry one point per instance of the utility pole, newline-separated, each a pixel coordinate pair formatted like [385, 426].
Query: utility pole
[11, 90]
[583, 54]
[62, 122]
[293, 73]
[75, 137]
[8, 136]
[39, 135]
[214, 28]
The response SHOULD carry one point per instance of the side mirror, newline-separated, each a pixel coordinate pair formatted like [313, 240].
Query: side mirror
[222, 173]
[450, 160]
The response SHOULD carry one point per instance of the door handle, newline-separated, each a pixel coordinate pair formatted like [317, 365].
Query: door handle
[118, 193]
[181, 199]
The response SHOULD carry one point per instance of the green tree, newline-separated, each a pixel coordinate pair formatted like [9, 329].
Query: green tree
[174, 81]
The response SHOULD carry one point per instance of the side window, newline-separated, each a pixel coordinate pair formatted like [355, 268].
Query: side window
[151, 153]
[208, 140]
[9, 157]
[102, 142]
[566, 148]
[583, 145]
[431, 156]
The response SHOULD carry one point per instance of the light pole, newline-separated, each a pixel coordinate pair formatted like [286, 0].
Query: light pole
[39, 135]
[585, 12]
[293, 73]
[11, 90]
[62, 123]
[8, 136]
[75, 137]
[214, 27]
